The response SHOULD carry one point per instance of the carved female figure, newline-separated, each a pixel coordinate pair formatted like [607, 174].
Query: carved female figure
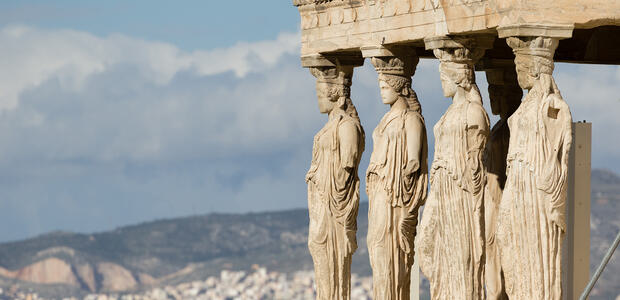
[333, 184]
[451, 242]
[532, 221]
[396, 181]
[505, 95]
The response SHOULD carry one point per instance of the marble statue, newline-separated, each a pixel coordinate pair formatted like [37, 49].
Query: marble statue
[396, 179]
[333, 184]
[505, 95]
[451, 240]
[531, 220]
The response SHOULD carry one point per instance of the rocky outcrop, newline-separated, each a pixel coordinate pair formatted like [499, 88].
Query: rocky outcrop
[115, 278]
[106, 276]
[48, 271]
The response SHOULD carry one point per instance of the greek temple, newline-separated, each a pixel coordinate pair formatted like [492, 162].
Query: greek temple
[505, 206]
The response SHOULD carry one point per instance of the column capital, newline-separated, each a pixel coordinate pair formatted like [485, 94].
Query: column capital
[459, 49]
[441, 42]
[387, 51]
[544, 30]
[354, 59]
[394, 60]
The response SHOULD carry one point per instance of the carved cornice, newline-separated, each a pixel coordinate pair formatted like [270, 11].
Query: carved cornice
[309, 2]
[545, 30]
[326, 3]
[345, 59]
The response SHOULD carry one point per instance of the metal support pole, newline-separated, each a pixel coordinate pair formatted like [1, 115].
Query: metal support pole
[577, 243]
[600, 268]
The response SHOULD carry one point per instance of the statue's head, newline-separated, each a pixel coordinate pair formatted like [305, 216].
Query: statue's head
[457, 68]
[394, 86]
[533, 58]
[395, 78]
[333, 86]
[504, 91]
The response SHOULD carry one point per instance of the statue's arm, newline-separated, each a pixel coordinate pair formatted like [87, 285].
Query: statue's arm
[349, 145]
[477, 131]
[558, 126]
[414, 134]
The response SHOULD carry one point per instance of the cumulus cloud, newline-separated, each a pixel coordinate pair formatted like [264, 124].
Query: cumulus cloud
[97, 132]
[31, 56]
[121, 90]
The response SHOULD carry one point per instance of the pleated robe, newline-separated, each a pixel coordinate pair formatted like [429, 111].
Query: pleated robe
[532, 210]
[333, 201]
[451, 241]
[394, 200]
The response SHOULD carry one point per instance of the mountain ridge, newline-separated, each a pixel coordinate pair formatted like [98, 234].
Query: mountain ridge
[175, 250]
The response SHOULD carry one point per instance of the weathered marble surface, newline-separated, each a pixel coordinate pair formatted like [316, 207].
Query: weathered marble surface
[451, 241]
[532, 210]
[396, 179]
[333, 184]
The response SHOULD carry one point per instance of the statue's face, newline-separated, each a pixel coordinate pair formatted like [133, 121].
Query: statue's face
[448, 85]
[326, 103]
[388, 94]
[496, 96]
[526, 81]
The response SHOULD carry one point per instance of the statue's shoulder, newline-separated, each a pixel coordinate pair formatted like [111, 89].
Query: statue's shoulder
[556, 101]
[414, 118]
[476, 115]
[349, 123]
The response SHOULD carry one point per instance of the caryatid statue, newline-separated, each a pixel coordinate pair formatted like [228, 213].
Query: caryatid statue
[505, 95]
[396, 180]
[333, 184]
[532, 210]
[451, 240]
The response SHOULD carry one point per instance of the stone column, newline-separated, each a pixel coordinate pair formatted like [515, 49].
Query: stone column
[451, 240]
[396, 179]
[531, 219]
[505, 95]
[333, 183]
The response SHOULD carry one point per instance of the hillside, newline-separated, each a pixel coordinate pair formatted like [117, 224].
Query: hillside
[193, 248]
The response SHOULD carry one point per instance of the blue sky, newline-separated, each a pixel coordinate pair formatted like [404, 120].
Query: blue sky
[188, 24]
[119, 112]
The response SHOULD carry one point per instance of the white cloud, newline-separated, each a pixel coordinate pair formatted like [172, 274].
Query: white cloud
[119, 101]
[30, 56]
[98, 132]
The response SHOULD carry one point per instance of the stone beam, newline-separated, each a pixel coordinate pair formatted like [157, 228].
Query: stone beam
[333, 26]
